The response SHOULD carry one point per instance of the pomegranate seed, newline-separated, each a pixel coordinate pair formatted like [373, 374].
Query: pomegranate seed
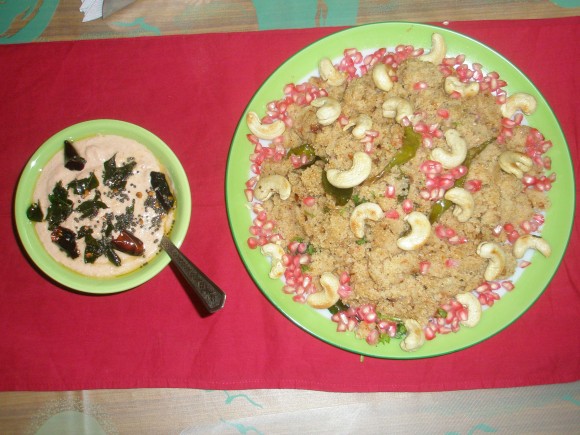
[473, 185]
[538, 218]
[513, 236]
[373, 337]
[429, 333]
[252, 242]
[431, 167]
[450, 262]
[392, 214]
[424, 267]
[508, 285]
[419, 86]
[309, 201]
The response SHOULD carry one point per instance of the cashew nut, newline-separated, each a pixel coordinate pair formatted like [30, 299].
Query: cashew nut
[528, 241]
[361, 125]
[415, 338]
[420, 231]
[464, 203]
[438, 50]
[496, 256]
[519, 101]
[381, 77]
[398, 108]
[329, 73]
[362, 212]
[267, 186]
[458, 150]
[329, 294]
[359, 172]
[453, 84]
[275, 252]
[264, 131]
[515, 163]
[473, 309]
[328, 110]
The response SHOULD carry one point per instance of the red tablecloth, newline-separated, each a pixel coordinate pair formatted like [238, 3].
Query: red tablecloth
[191, 91]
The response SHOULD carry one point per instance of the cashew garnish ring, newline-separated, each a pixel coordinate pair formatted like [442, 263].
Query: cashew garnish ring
[264, 131]
[458, 150]
[398, 108]
[267, 186]
[529, 241]
[275, 252]
[438, 50]
[359, 172]
[515, 163]
[496, 256]
[329, 73]
[453, 84]
[381, 77]
[329, 294]
[473, 309]
[518, 101]
[420, 231]
[415, 337]
[464, 203]
[328, 110]
[362, 212]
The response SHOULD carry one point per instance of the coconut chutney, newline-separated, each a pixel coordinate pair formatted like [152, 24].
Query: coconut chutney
[112, 203]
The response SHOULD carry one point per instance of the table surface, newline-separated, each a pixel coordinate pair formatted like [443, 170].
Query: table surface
[538, 409]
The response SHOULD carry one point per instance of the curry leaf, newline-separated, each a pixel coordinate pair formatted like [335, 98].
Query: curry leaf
[60, 206]
[90, 208]
[80, 187]
[115, 177]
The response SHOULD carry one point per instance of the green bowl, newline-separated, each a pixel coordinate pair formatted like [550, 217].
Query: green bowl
[368, 38]
[24, 197]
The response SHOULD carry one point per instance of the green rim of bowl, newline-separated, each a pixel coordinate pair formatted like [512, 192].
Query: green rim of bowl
[24, 197]
[559, 218]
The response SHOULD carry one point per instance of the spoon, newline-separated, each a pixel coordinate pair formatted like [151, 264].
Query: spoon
[212, 297]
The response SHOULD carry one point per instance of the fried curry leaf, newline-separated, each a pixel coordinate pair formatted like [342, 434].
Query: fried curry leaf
[72, 160]
[66, 240]
[90, 208]
[34, 212]
[60, 206]
[93, 248]
[411, 143]
[112, 255]
[80, 187]
[162, 190]
[115, 177]
[338, 307]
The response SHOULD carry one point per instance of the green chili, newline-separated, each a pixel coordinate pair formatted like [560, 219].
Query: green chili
[411, 143]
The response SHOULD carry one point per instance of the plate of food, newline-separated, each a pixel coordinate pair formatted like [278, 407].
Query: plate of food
[93, 202]
[400, 190]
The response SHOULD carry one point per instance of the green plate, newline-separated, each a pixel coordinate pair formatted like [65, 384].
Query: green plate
[557, 228]
[24, 197]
